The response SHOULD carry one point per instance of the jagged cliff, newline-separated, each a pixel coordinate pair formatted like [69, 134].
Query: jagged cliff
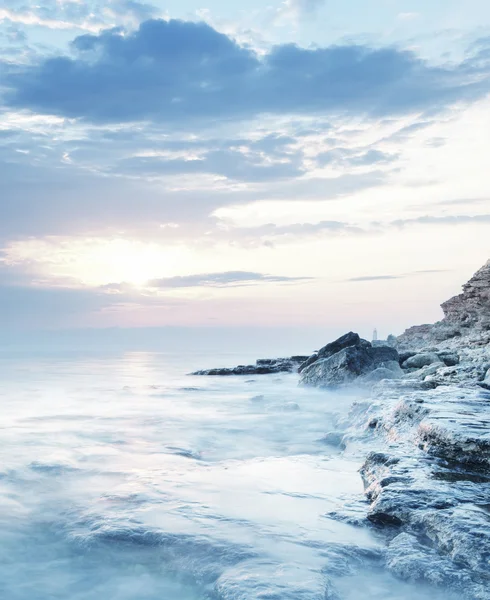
[466, 318]
[471, 308]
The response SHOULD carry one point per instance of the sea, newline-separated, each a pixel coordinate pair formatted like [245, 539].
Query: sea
[122, 477]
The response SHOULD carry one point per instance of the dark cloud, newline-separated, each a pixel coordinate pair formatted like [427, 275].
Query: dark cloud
[187, 73]
[226, 279]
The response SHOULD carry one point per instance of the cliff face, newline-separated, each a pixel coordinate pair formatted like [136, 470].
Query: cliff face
[466, 318]
[472, 307]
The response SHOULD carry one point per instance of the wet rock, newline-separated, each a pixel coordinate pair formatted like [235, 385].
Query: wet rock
[334, 438]
[379, 374]
[263, 366]
[403, 385]
[413, 561]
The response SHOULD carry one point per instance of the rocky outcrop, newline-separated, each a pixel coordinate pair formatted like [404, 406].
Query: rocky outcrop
[430, 484]
[466, 319]
[263, 366]
[348, 359]
[345, 341]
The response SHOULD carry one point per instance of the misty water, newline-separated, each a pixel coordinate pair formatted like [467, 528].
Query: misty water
[123, 478]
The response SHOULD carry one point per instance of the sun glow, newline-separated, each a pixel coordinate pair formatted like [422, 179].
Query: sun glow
[100, 261]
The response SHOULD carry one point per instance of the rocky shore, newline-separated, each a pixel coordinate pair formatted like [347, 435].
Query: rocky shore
[424, 426]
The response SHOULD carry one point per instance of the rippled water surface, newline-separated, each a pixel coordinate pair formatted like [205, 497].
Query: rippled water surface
[123, 478]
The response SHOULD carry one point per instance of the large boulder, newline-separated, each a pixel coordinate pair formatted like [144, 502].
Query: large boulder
[345, 341]
[342, 364]
[421, 360]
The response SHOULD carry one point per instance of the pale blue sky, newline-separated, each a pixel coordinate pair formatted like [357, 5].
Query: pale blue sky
[293, 163]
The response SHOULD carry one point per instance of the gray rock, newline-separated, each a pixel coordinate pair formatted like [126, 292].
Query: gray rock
[421, 360]
[343, 367]
[345, 341]
[466, 319]
[413, 561]
[346, 365]
[338, 363]
[334, 438]
[379, 374]
[263, 366]
[450, 359]
[425, 371]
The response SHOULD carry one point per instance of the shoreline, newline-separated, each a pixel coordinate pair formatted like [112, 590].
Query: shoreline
[425, 429]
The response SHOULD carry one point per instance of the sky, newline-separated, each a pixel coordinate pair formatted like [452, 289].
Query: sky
[309, 164]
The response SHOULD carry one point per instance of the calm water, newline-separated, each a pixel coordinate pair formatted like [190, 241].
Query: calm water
[123, 478]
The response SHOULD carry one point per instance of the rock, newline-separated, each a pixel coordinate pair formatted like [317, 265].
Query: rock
[334, 438]
[472, 307]
[425, 371]
[466, 319]
[450, 359]
[378, 375]
[345, 341]
[421, 360]
[346, 359]
[263, 366]
[309, 361]
[411, 560]
[349, 363]
[404, 356]
[342, 367]
[383, 354]
[392, 341]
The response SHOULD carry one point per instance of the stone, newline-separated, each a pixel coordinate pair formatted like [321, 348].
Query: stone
[466, 321]
[346, 365]
[404, 356]
[450, 359]
[345, 341]
[342, 367]
[263, 366]
[378, 375]
[421, 360]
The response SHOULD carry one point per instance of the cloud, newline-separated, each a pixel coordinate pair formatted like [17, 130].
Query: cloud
[354, 157]
[188, 74]
[30, 17]
[226, 279]
[375, 277]
[444, 220]
[270, 233]
[229, 163]
[131, 9]
[294, 10]
[388, 277]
